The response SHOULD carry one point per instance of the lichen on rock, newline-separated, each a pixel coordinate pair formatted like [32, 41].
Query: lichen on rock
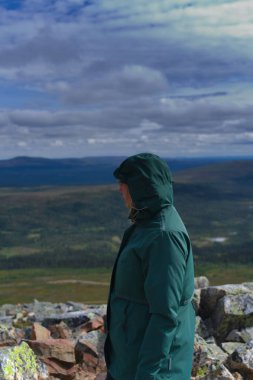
[18, 362]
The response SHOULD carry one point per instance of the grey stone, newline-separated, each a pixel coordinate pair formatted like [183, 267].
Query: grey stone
[201, 282]
[244, 336]
[6, 320]
[211, 295]
[95, 338]
[75, 306]
[232, 312]
[230, 347]
[241, 360]
[208, 358]
[20, 362]
[72, 319]
[247, 334]
[201, 328]
[234, 336]
[248, 285]
[196, 300]
[220, 373]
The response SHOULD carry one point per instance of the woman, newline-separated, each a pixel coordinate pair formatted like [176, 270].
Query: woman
[150, 317]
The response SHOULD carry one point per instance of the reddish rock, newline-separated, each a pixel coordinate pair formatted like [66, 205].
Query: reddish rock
[61, 349]
[57, 367]
[39, 332]
[101, 376]
[86, 347]
[94, 324]
[61, 331]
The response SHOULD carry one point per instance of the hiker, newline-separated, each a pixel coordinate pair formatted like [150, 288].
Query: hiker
[150, 316]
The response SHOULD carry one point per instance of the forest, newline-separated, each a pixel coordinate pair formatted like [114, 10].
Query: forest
[81, 226]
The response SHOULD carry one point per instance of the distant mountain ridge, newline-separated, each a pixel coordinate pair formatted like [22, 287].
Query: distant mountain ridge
[36, 171]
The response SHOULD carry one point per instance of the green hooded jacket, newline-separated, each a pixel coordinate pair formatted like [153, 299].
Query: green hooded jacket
[150, 317]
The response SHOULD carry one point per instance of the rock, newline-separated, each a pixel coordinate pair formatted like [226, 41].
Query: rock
[94, 341]
[196, 300]
[211, 295]
[58, 367]
[245, 335]
[208, 358]
[83, 346]
[61, 349]
[72, 319]
[20, 362]
[248, 285]
[201, 328]
[230, 347]
[7, 335]
[241, 360]
[232, 312]
[61, 331]
[220, 373]
[93, 324]
[6, 320]
[234, 336]
[39, 332]
[237, 376]
[72, 344]
[76, 306]
[201, 282]
[101, 376]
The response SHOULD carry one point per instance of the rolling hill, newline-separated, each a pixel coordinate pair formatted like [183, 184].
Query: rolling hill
[81, 226]
[32, 171]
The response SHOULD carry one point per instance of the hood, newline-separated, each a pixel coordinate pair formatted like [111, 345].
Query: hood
[149, 181]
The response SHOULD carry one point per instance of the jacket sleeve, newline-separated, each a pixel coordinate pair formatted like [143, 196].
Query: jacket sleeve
[164, 266]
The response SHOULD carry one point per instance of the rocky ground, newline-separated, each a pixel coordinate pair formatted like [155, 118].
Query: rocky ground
[65, 341]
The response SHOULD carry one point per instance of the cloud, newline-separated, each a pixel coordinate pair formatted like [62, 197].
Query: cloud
[140, 75]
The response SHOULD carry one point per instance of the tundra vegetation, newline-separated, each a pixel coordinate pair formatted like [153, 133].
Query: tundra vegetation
[59, 243]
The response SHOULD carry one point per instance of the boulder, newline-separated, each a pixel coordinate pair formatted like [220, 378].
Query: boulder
[241, 360]
[201, 282]
[10, 335]
[230, 347]
[211, 295]
[39, 332]
[248, 285]
[60, 349]
[93, 324]
[244, 335]
[92, 344]
[196, 300]
[60, 368]
[232, 312]
[61, 331]
[208, 358]
[101, 376]
[220, 373]
[72, 319]
[20, 362]
[201, 328]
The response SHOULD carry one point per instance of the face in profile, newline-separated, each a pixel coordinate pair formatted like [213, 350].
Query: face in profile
[123, 188]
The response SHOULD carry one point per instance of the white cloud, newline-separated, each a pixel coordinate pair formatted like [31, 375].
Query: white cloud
[57, 143]
[140, 74]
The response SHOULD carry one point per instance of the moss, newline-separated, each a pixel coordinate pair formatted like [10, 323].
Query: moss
[21, 360]
[202, 371]
[20, 324]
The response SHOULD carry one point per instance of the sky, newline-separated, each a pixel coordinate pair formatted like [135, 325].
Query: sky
[114, 77]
